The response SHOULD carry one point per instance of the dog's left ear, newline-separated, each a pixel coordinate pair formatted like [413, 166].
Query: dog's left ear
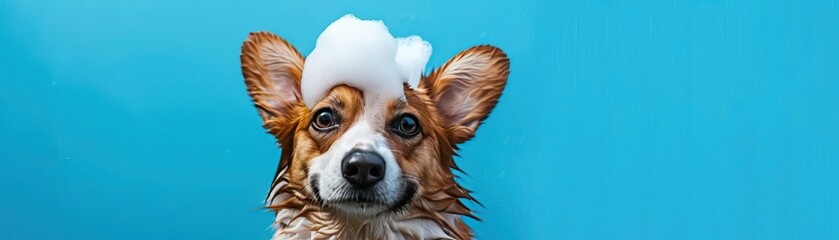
[466, 89]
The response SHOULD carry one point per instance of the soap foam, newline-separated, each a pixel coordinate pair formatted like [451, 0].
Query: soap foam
[363, 54]
[412, 54]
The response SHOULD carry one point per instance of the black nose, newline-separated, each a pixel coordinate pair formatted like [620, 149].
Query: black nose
[363, 168]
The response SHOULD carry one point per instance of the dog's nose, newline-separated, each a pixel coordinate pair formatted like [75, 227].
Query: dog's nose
[363, 168]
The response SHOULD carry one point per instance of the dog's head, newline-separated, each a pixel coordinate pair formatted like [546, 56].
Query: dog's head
[364, 160]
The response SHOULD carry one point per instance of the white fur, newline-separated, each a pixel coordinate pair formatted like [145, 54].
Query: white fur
[328, 167]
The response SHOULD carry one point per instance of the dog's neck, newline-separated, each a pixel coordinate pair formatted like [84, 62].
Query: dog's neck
[297, 218]
[290, 226]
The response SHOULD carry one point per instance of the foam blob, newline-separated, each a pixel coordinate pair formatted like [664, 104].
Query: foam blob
[413, 54]
[363, 54]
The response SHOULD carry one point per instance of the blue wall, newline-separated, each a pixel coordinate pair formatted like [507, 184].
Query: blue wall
[622, 119]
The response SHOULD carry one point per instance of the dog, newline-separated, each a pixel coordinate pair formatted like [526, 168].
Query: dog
[345, 173]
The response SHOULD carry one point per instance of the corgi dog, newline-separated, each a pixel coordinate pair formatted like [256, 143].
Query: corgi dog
[353, 170]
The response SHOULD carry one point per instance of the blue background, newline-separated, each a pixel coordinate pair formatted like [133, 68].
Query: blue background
[621, 120]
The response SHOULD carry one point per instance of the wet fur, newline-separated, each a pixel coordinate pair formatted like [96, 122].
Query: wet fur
[450, 104]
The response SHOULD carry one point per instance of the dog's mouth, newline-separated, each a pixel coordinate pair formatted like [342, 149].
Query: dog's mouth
[367, 201]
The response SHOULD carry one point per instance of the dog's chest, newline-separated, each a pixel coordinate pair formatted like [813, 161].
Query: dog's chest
[289, 227]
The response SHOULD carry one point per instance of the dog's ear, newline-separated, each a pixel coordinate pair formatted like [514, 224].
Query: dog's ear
[467, 87]
[272, 69]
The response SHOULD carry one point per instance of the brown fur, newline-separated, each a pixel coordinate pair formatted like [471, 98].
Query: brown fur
[450, 104]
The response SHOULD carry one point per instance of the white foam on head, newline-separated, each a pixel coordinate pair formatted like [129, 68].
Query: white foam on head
[363, 54]
[413, 54]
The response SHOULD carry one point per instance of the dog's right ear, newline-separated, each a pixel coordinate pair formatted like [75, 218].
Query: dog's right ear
[272, 69]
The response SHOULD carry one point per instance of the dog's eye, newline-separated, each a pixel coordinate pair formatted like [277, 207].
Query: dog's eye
[406, 126]
[324, 120]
